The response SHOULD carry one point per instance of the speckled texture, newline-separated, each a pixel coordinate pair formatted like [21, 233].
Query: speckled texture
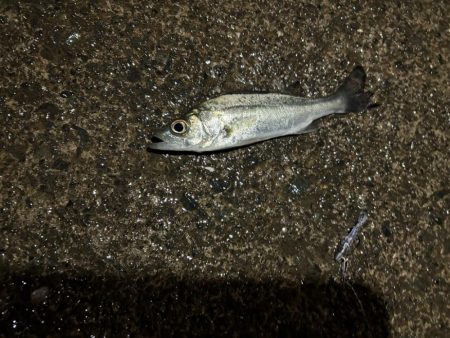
[101, 237]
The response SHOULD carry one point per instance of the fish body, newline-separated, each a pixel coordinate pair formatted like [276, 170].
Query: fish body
[235, 120]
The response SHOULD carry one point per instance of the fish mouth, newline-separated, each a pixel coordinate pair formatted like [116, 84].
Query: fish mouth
[157, 143]
[160, 141]
[155, 139]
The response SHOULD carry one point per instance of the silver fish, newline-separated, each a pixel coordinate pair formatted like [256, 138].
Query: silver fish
[235, 120]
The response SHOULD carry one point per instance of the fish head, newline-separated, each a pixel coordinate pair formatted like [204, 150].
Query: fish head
[183, 134]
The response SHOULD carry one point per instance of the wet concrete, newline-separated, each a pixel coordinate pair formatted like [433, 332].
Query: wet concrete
[101, 237]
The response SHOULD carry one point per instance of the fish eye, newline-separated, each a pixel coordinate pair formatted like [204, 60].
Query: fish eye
[179, 126]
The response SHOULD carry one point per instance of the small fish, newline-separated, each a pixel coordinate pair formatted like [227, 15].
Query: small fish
[351, 237]
[236, 120]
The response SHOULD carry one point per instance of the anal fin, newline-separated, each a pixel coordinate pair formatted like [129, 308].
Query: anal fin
[312, 127]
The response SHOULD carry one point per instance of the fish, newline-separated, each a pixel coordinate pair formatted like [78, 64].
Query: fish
[236, 120]
[348, 240]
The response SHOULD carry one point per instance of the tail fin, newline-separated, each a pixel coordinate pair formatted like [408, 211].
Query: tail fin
[352, 90]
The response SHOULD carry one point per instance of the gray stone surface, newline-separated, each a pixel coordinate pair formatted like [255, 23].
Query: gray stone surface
[99, 236]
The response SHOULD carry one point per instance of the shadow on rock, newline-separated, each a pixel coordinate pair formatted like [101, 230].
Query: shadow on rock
[83, 305]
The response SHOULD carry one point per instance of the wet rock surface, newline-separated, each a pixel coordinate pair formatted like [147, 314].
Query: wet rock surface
[101, 237]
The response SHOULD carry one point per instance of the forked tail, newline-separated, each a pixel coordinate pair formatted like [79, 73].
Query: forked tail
[352, 90]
